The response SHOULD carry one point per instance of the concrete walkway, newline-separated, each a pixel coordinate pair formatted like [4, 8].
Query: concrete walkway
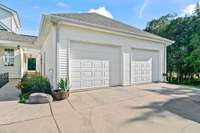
[8, 92]
[153, 108]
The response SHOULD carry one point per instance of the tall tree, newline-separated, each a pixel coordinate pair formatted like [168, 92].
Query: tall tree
[183, 56]
[197, 9]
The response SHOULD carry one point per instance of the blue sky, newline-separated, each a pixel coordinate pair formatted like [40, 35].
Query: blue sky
[134, 12]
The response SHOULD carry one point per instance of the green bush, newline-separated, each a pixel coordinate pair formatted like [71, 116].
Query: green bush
[23, 98]
[35, 84]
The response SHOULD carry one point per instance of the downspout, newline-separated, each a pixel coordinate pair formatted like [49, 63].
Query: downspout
[165, 63]
[56, 54]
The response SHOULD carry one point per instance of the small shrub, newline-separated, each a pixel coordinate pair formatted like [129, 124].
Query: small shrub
[34, 84]
[23, 98]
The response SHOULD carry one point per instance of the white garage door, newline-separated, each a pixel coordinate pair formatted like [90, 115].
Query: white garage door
[144, 66]
[141, 71]
[89, 73]
[94, 65]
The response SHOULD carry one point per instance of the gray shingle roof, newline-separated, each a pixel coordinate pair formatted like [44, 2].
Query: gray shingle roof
[99, 20]
[10, 36]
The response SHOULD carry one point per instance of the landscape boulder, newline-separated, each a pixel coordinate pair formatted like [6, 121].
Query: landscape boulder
[39, 98]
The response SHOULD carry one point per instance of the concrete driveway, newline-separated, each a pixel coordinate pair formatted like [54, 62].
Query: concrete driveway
[154, 108]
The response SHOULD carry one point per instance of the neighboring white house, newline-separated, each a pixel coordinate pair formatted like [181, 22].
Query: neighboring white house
[15, 49]
[95, 51]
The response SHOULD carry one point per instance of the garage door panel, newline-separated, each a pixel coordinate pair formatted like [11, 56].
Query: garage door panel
[75, 83]
[86, 64]
[75, 64]
[86, 83]
[76, 74]
[86, 74]
[98, 64]
[106, 74]
[98, 83]
[98, 74]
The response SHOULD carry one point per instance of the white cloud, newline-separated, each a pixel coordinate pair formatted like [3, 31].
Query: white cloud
[146, 2]
[188, 10]
[36, 7]
[102, 11]
[62, 4]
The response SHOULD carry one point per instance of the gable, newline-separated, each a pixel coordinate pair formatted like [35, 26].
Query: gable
[9, 18]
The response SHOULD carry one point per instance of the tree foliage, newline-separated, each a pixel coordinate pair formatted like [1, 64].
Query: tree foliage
[183, 56]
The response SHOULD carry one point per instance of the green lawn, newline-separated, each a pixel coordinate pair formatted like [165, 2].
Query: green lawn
[195, 85]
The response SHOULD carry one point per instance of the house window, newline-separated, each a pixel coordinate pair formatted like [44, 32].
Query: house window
[9, 57]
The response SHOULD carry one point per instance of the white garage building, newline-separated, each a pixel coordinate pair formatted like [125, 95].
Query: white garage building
[95, 51]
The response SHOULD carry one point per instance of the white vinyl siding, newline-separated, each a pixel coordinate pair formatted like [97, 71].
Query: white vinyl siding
[62, 61]
[48, 53]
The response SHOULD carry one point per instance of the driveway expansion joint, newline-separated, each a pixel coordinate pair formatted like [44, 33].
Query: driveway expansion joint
[54, 119]
[22, 121]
